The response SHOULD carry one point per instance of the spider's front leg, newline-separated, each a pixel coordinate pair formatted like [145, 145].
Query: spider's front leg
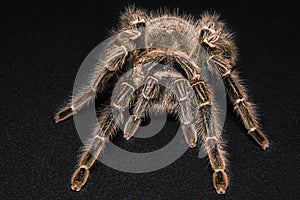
[182, 92]
[150, 93]
[109, 121]
[209, 129]
[113, 60]
[210, 133]
[145, 100]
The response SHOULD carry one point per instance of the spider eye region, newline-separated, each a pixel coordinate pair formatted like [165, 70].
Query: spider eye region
[208, 29]
[138, 21]
[204, 33]
[208, 37]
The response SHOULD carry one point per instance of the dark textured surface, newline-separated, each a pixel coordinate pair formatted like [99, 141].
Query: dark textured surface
[42, 46]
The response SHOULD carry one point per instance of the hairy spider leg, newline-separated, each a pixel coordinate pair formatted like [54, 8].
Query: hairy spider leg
[209, 129]
[107, 127]
[237, 95]
[113, 60]
[182, 92]
[210, 132]
[181, 89]
[144, 101]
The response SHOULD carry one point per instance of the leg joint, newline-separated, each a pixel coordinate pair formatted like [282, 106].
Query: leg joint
[251, 129]
[204, 104]
[101, 138]
[237, 101]
[83, 167]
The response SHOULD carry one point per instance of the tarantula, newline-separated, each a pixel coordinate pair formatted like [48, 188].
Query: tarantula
[157, 31]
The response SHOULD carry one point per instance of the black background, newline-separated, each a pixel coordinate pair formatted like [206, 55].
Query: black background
[42, 47]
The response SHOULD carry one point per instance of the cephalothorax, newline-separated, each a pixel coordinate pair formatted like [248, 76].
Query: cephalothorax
[175, 41]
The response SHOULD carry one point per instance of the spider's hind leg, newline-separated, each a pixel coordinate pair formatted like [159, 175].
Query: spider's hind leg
[64, 114]
[109, 121]
[238, 96]
[113, 59]
[90, 153]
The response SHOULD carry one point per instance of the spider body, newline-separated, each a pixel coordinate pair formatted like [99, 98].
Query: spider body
[173, 40]
[177, 34]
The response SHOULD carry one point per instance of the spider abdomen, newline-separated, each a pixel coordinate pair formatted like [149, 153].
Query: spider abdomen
[171, 34]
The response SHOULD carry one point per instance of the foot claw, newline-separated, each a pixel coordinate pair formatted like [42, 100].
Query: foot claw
[76, 186]
[79, 178]
[131, 127]
[64, 114]
[265, 145]
[190, 135]
[127, 136]
[220, 181]
[259, 138]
